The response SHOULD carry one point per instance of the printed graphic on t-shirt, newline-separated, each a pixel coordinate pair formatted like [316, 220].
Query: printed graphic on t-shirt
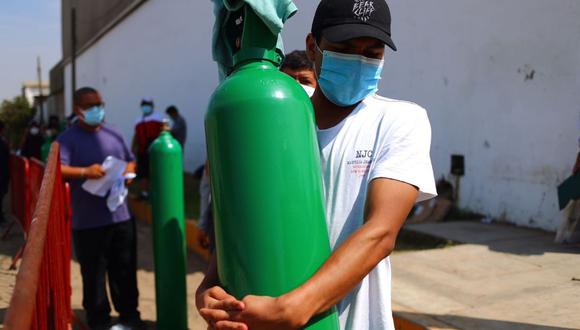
[360, 163]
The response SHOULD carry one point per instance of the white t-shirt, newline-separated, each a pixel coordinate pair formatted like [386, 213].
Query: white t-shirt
[381, 138]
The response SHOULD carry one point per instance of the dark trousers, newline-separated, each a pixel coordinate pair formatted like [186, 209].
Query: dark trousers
[108, 251]
[2, 194]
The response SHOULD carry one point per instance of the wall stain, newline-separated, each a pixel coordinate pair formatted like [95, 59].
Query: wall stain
[528, 71]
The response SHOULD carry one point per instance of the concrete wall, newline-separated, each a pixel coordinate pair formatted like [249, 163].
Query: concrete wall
[160, 51]
[500, 81]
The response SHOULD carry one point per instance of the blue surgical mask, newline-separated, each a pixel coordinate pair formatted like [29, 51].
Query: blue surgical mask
[147, 109]
[346, 79]
[94, 115]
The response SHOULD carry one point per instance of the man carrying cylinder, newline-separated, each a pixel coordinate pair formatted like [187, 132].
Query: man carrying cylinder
[375, 165]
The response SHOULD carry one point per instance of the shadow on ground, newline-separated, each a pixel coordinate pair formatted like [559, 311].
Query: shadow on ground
[2, 315]
[497, 237]
[461, 322]
[13, 240]
[80, 314]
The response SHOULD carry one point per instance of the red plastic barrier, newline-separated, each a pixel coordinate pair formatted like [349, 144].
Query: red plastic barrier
[19, 189]
[42, 294]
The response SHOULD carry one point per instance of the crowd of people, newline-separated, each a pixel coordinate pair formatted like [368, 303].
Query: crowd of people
[103, 233]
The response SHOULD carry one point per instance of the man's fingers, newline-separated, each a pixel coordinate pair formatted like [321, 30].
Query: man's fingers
[230, 304]
[230, 325]
[220, 294]
[214, 315]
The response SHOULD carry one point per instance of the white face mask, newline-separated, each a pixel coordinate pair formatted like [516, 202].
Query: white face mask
[34, 131]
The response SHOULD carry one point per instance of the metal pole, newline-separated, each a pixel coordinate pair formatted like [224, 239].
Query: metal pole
[73, 19]
[40, 96]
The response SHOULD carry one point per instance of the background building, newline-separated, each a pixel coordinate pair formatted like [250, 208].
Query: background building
[499, 80]
[31, 90]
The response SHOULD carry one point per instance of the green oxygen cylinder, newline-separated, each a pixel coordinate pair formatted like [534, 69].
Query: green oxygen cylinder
[267, 195]
[168, 231]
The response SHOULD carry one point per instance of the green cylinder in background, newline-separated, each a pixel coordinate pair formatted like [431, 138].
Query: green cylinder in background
[169, 244]
[267, 195]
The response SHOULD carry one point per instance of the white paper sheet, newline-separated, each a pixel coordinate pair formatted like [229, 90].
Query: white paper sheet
[114, 169]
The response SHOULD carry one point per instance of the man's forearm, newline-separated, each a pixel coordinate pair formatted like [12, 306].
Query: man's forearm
[70, 172]
[343, 270]
[387, 205]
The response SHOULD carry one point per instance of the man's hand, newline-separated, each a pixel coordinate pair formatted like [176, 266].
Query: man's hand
[217, 306]
[262, 312]
[131, 168]
[94, 171]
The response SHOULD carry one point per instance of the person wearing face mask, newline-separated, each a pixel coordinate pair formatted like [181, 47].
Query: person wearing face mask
[375, 164]
[104, 240]
[148, 126]
[32, 143]
[298, 66]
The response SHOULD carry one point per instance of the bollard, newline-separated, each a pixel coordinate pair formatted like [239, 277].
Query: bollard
[168, 232]
[266, 183]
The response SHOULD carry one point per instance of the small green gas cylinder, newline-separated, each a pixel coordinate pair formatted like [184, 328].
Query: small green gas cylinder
[168, 232]
[266, 183]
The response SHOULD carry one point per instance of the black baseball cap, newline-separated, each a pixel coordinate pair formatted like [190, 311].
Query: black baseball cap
[341, 20]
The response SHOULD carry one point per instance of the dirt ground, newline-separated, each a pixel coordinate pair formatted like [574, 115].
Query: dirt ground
[145, 274]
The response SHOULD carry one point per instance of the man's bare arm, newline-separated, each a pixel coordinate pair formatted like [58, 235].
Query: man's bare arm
[387, 206]
[94, 171]
[213, 303]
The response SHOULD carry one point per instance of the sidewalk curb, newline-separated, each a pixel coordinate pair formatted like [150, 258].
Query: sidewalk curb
[141, 210]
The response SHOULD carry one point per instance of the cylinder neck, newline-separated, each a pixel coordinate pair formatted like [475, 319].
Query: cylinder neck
[258, 43]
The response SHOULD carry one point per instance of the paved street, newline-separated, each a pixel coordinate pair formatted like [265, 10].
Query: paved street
[503, 277]
[145, 277]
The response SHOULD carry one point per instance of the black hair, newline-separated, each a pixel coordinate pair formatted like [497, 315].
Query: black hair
[171, 109]
[297, 60]
[79, 93]
[146, 102]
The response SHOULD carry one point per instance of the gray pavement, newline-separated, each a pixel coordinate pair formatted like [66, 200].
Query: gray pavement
[502, 277]
[145, 275]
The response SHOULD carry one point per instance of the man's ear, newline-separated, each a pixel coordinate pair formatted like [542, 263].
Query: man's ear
[310, 47]
[77, 110]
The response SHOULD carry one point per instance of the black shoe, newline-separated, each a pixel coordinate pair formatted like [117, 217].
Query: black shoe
[103, 323]
[133, 322]
[102, 326]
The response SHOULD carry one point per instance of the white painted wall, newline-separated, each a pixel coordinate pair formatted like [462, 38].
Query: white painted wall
[463, 60]
[466, 62]
[162, 51]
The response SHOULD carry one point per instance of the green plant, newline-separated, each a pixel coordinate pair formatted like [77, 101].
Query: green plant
[16, 114]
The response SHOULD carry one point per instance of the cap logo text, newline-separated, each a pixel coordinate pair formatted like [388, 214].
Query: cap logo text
[363, 9]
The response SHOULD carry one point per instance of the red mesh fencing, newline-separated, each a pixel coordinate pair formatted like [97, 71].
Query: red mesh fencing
[19, 189]
[42, 293]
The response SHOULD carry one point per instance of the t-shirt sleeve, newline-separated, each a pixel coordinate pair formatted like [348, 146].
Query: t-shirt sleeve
[65, 150]
[405, 154]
